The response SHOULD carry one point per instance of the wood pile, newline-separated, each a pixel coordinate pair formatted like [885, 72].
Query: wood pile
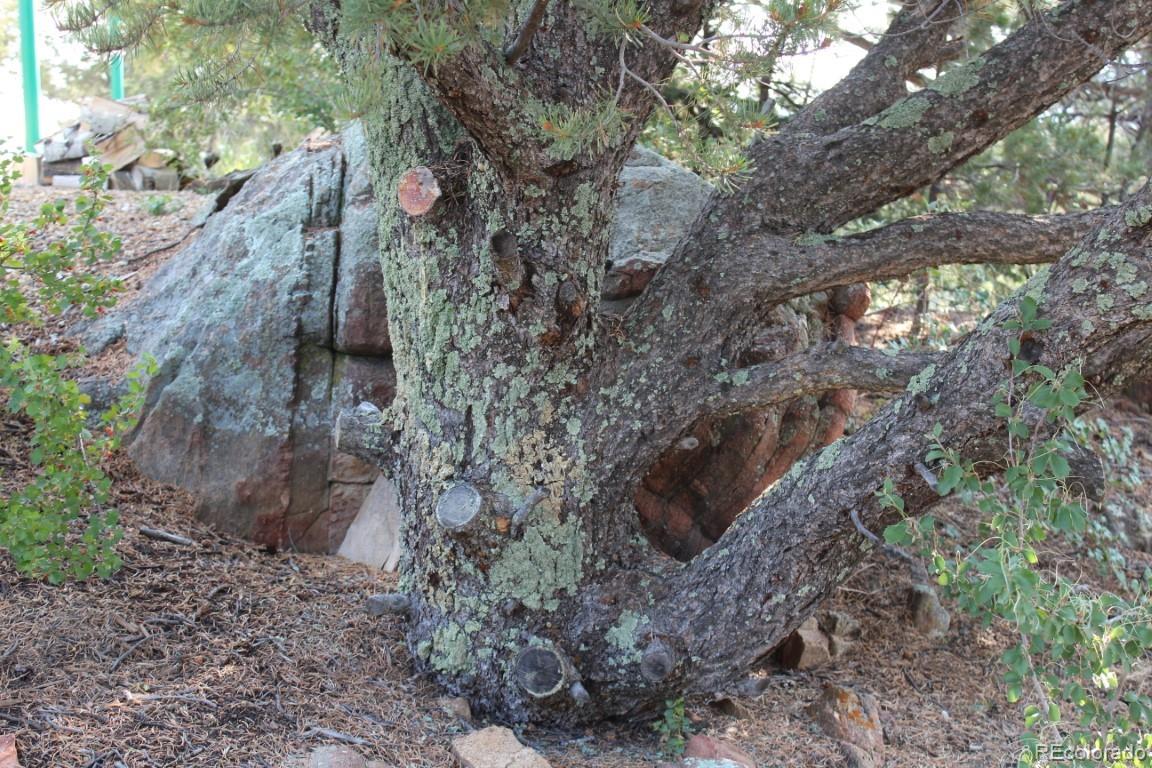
[111, 132]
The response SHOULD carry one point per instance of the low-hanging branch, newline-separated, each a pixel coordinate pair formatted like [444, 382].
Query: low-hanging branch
[704, 292]
[920, 137]
[818, 369]
[909, 245]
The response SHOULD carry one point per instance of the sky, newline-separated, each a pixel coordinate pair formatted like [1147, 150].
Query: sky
[822, 68]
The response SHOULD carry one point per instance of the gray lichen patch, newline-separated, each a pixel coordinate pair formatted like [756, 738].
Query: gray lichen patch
[624, 636]
[904, 114]
[941, 143]
[546, 563]
[448, 651]
[959, 79]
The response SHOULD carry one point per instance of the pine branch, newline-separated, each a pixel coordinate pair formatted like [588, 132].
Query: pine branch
[819, 369]
[917, 37]
[820, 182]
[799, 266]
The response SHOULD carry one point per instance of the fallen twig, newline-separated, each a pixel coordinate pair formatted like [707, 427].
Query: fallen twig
[328, 733]
[172, 538]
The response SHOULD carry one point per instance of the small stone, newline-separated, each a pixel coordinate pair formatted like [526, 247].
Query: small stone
[704, 747]
[929, 617]
[852, 720]
[329, 756]
[806, 648]
[8, 756]
[456, 706]
[495, 747]
[839, 624]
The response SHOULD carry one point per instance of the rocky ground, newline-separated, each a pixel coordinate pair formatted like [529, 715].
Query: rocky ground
[219, 653]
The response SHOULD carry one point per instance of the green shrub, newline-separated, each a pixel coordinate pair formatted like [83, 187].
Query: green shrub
[674, 727]
[57, 525]
[1076, 643]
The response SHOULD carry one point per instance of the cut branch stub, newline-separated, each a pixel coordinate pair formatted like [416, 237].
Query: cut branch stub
[459, 506]
[657, 662]
[541, 671]
[418, 191]
[388, 603]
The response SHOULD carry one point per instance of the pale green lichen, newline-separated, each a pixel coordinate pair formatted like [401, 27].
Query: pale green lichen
[1036, 284]
[624, 635]
[940, 144]
[1080, 285]
[814, 238]
[959, 79]
[903, 114]
[1105, 302]
[1136, 290]
[449, 652]
[826, 459]
[918, 384]
[1138, 216]
[547, 562]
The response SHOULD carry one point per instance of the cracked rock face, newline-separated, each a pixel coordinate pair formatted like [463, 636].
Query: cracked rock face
[273, 321]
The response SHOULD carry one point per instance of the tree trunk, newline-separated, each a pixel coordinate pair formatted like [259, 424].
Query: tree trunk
[492, 297]
[525, 422]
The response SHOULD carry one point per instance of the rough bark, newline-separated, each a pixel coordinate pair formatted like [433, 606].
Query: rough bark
[524, 424]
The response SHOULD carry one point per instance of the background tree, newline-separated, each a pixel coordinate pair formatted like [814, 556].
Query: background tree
[525, 421]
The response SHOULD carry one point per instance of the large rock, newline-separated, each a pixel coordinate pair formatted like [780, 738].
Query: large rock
[274, 320]
[243, 324]
[374, 535]
[656, 202]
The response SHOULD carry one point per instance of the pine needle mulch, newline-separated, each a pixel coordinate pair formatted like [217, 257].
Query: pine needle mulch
[218, 654]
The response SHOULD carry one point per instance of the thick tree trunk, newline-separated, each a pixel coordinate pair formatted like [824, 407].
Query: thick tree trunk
[524, 423]
[492, 297]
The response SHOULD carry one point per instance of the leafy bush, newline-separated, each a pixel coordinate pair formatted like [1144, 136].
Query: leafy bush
[57, 525]
[1076, 643]
[674, 728]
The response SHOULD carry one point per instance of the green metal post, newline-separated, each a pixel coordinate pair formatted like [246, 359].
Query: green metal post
[116, 69]
[116, 76]
[31, 69]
